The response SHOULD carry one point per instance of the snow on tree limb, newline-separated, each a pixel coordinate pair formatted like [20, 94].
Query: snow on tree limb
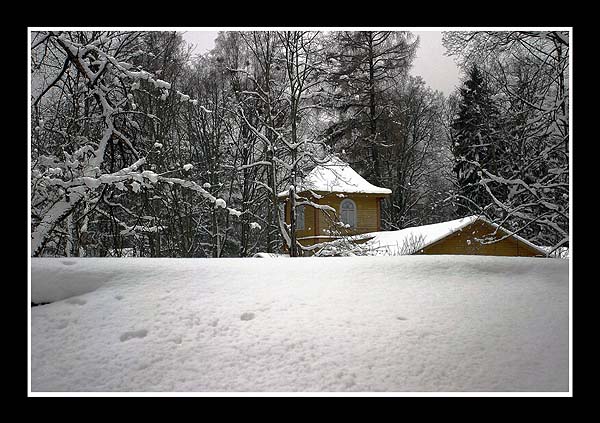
[108, 82]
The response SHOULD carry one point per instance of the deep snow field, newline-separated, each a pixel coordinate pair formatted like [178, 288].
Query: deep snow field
[366, 324]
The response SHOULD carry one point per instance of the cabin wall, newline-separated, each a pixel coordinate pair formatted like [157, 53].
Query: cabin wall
[316, 221]
[463, 242]
[310, 221]
[367, 213]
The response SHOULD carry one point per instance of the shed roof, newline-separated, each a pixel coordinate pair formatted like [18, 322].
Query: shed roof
[429, 234]
[337, 176]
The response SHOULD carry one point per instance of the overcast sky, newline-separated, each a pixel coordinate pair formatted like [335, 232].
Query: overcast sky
[438, 71]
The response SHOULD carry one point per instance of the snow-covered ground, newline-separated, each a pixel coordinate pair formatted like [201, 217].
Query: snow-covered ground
[395, 324]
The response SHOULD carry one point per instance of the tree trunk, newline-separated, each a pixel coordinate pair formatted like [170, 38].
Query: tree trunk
[372, 115]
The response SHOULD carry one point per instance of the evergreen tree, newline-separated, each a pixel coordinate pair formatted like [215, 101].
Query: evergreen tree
[529, 184]
[475, 142]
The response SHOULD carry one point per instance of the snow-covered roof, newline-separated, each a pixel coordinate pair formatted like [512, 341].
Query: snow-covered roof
[429, 234]
[337, 176]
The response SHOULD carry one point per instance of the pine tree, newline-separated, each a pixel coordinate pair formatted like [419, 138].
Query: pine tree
[529, 187]
[476, 142]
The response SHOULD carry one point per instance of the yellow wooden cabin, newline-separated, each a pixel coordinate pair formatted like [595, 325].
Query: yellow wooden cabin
[354, 204]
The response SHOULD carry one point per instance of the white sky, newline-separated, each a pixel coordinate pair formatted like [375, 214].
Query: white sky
[439, 71]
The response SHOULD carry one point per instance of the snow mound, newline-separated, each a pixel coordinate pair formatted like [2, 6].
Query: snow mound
[365, 324]
[54, 279]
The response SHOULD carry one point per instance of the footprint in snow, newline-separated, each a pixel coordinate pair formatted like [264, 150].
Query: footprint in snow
[62, 324]
[247, 316]
[133, 334]
[401, 318]
[68, 262]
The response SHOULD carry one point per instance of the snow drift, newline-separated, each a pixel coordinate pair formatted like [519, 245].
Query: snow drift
[412, 323]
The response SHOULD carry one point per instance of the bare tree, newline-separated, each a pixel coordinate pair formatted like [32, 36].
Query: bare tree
[86, 131]
[417, 149]
[365, 65]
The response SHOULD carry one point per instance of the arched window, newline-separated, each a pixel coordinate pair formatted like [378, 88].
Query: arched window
[300, 218]
[348, 212]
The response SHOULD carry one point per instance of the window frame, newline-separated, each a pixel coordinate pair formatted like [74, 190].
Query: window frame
[354, 211]
[300, 211]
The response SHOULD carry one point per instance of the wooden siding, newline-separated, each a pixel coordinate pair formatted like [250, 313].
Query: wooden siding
[463, 242]
[316, 222]
[310, 220]
[366, 213]
[368, 218]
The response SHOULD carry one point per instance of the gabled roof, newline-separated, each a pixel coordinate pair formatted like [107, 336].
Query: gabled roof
[430, 234]
[337, 176]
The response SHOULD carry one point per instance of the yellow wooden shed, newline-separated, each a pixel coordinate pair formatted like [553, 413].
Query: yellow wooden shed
[335, 202]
